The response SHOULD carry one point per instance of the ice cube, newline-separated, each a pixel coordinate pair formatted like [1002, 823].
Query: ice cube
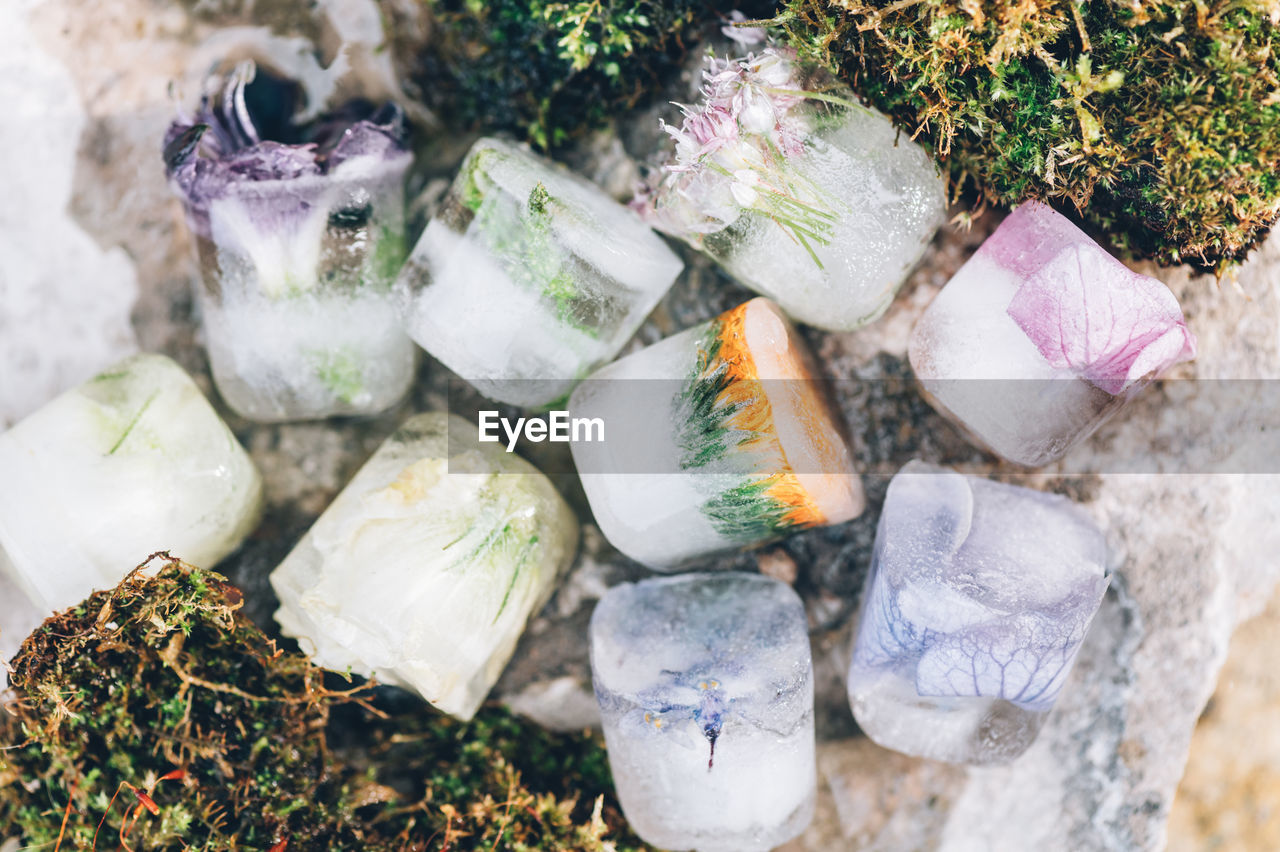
[705, 687]
[978, 599]
[1042, 336]
[801, 194]
[296, 333]
[717, 437]
[131, 462]
[530, 277]
[299, 237]
[426, 567]
[18, 617]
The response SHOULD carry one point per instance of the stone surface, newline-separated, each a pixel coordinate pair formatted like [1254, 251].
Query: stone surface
[1191, 552]
[1230, 796]
[65, 298]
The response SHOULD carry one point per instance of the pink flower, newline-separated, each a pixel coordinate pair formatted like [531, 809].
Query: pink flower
[1087, 312]
[743, 35]
[731, 149]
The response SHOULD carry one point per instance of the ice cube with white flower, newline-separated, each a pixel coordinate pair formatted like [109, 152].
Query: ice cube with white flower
[705, 686]
[719, 437]
[131, 462]
[299, 231]
[530, 277]
[978, 599]
[426, 567]
[798, 191]
[1041, 336]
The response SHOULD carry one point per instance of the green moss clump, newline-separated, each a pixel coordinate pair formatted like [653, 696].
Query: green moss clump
[1159, 122]
[545, 71]
[157, 716]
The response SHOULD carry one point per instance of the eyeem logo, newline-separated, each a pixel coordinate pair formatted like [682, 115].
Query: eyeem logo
[557, 426]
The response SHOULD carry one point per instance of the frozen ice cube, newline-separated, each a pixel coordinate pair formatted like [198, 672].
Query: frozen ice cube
[18, 617]
[530, 277]
[1041, 336]
[717, 437]
[800, 193]
[131, 462]
[705, 687]
[300, 233]
[426, 567]
[978, 599]
[301, 322]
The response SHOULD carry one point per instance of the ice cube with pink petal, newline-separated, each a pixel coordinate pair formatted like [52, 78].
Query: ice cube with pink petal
[1042, 336]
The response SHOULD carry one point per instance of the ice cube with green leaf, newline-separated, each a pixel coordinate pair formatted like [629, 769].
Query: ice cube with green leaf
[530, 277]
[425, 569]
[131, 462]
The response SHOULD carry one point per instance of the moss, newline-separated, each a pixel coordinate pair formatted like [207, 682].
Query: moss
[1157, 122]
[157, 716]
[546, 71]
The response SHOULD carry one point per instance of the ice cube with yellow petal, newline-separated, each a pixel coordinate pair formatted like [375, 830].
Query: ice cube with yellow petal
[425, 569]
[718, 437]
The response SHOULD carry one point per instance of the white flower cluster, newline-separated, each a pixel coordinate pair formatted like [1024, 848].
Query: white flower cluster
[733, 151]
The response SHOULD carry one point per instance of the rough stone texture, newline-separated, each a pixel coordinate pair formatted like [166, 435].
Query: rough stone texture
[65, 298]
[1193, 554]
[1230, 796]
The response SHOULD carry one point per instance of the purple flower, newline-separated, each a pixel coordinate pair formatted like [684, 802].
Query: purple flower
[243, 138]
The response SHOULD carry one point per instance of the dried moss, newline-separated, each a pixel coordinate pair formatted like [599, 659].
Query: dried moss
[1158, 122]
[546, 71]
[158, 714]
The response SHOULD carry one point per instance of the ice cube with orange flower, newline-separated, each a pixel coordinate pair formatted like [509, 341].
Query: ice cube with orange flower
[718, 437]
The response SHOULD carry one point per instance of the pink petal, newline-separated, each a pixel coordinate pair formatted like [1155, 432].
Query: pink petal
[1087, 312]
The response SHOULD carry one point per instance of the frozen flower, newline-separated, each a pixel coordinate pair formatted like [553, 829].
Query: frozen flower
[1111, 335]
[732, 150]
[743, 35]
[270, 178]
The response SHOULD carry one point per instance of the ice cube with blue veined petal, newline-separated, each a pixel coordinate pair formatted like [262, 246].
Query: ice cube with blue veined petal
[705, 686]
[978, 600]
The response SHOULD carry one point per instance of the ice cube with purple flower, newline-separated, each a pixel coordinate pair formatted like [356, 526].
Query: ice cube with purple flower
[798, 191]
[976, 605]
[1041, 336]
[299, 232]
[705, 685]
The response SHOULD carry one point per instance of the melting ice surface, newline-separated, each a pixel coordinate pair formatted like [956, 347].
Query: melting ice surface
[133, 461]
[706, 691]
[978, 600]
